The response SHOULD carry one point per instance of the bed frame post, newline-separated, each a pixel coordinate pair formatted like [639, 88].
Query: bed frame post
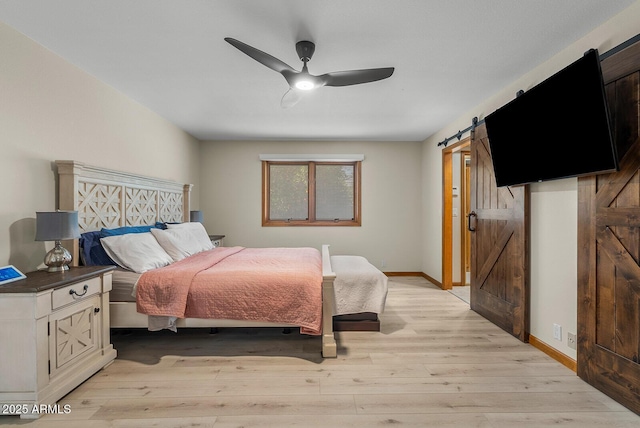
[329, 347]
[186, 202]
[68, 172]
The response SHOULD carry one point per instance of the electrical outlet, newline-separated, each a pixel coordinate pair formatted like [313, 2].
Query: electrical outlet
[571, 340]
[557, 332]
[383, 263]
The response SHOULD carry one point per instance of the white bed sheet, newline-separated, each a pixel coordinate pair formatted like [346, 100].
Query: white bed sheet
[122, 285]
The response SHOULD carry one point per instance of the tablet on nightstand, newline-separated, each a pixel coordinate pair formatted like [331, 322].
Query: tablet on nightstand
[9, 274]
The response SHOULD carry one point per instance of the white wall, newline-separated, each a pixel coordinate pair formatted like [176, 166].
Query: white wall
[51, 110]
[391, 212]
[553, 205]
[554, 259]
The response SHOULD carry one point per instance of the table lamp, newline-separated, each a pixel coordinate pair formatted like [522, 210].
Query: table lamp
[57, 226]
[196, 216]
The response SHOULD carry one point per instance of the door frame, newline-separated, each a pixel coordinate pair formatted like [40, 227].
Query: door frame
[447, 210]
[465, 209]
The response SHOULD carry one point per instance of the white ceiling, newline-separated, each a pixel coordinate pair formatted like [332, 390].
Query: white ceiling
[171, 56]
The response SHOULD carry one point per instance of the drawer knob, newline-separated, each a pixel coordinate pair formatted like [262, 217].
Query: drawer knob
[96, 310]
[85, 288]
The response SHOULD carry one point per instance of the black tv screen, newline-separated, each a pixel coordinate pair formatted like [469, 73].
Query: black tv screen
[557, 129]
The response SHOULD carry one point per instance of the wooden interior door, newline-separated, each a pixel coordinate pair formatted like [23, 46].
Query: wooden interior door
[609, 248]
[499, 224]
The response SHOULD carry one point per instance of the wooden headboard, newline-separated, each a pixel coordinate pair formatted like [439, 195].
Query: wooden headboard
[108, 198]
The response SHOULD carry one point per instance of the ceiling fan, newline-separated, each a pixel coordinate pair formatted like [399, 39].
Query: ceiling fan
[302, 81]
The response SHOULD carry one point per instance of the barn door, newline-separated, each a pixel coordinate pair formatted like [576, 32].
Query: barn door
[499, 238]
[609, 250]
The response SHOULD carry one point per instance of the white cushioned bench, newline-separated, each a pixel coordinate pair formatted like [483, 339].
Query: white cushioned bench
[360, 292]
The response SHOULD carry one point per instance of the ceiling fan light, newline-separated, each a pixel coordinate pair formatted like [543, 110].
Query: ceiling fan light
[304, 85]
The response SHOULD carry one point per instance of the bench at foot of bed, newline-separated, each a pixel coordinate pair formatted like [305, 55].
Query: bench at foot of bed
[360, 294]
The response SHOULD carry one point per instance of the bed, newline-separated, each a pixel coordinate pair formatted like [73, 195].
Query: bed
[108, 199]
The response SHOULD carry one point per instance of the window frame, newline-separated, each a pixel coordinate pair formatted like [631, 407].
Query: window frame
[311, 221]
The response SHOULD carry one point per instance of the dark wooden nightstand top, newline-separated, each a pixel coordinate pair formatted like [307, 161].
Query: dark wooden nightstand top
[42, 280]
[216, 237]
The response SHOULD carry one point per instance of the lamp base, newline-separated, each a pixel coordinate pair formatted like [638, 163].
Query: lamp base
[57, 259]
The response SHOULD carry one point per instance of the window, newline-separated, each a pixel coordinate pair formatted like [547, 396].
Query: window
[310, 193]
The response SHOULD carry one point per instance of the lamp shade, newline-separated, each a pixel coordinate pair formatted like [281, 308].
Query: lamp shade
[196, 216]
[56, 226]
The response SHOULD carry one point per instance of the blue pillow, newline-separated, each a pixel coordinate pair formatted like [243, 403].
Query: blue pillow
[163, 224]
[124, 230]
[91, 251]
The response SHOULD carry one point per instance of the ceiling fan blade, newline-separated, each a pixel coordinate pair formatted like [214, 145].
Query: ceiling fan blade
[291, 98]
[355, 77]
[262, 57]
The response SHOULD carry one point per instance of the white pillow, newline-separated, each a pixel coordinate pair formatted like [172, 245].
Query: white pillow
[198, 232]
[138, 252]
[178, 243]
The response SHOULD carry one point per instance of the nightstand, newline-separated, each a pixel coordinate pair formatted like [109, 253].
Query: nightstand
[216, 240]
[55, 334]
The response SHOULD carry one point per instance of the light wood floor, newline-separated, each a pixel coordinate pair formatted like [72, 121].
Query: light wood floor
[436, 363]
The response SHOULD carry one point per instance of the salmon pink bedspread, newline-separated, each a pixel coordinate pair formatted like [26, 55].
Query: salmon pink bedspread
[279, 285]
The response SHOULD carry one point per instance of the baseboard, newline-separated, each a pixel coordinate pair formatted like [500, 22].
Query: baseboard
[421, 274]
[403, 273]
[563, 359]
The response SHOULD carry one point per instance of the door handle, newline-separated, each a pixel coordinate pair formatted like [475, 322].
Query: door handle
[475, 216]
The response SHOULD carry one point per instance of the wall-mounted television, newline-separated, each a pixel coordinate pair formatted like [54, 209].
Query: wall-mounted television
[557, 129]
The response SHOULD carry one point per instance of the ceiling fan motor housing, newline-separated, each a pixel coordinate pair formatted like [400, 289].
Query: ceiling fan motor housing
[305, 50]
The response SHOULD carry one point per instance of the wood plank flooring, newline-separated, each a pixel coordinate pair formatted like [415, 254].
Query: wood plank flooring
[434, 364]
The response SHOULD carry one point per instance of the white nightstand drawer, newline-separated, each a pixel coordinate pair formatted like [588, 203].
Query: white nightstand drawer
[75, 292]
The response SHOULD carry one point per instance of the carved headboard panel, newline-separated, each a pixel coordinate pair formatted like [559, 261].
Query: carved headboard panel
[107, 198]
